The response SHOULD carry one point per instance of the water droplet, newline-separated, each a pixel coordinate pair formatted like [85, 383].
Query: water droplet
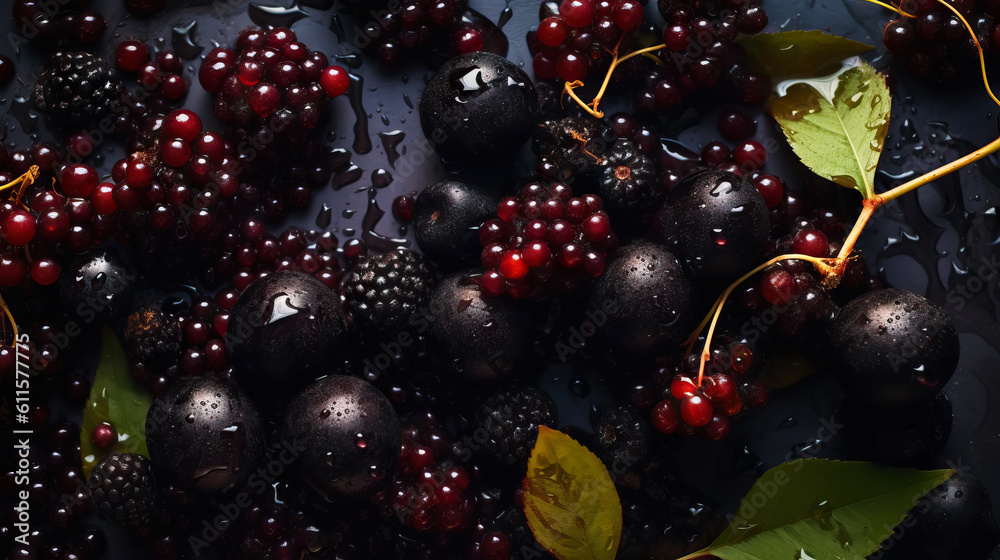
[189, 418]
[324, 414]
[359, 441]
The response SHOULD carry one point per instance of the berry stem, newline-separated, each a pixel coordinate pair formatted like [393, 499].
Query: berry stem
[10, 317]
[22, 182]
[822, 265]
[592, 107]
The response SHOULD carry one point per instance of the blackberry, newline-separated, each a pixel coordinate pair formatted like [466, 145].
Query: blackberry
[621, 438]
[124, 491]
[79, 89]
[627, 181]
[151, 337]
[510, 419]
[386, 289]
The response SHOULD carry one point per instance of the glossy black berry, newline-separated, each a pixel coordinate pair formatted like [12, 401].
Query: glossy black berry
[507, 423]
[348, 433]
[892, 348]
[284, 331]
[446, 220]
[124, 491]
[478, 108]
[648, 297]
[97, 283]
[474, 337]
[717, 222]
[204, 435]
[572, 145]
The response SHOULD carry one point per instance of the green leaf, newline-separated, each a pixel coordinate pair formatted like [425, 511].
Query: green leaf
[115, 398]
[571, 503]
[822, 509]
[800, 54]
[837, 124]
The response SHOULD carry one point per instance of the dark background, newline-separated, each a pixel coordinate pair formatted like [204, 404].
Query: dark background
[929, 242]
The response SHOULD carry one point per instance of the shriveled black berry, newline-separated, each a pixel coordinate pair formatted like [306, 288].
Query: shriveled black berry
[284, 331]
[574, 145]
[509, 421]
[478, 108]
[204, 435]
[97, 283]
[717, 222]
[892, 348]
[446, 220]
[385, 290]
[79, 89]
[124, 490]
[648, 298]
[348, 433]
[476, 338]
[152, 337]
[621, 438]
[627, 180]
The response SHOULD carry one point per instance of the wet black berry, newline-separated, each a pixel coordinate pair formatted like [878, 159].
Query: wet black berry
[284, 331]
[446, 220]
[478, 108]
[509, 422]
[349, 435]
[97, 283]
[892, 348]
[717, 222]
[204, 435]
[124, 491]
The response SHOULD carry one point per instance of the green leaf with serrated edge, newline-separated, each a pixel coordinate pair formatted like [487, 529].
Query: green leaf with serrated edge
[115, 398]
[822, 509]
[799, 54]
[836, 124]
[570, 502]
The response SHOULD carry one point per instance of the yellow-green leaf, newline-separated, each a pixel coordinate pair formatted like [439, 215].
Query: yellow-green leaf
[822, 509]
[837, 124]
[115, 398]
[799, 54]
[571, 503]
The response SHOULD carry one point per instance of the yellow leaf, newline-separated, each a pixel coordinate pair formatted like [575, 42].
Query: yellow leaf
[571, 503]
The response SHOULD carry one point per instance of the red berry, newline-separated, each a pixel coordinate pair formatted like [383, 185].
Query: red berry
[778, 287]
[12, 269]
[335, 81]
[103, 436]
[78, 180]
[552, 31]
[183, 124]
[468, 39]
[264, 99]
[597, 227]
[402, 208]
[175, 153]
[103, 200]
[53, 225]
[537, 254]
[130, 55]
[571, 255]
[45, 271]
[513, 266]
[492, 283]
[696, 411]
[717, 428]
[664, 416]
[734, 124]
[18, 227]
[750, 155]
[572, 66]
[771, 188]
[173, 86]
[810, 242]
[494, 546]
[683, 386]
[577, 13]
[628, 15]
